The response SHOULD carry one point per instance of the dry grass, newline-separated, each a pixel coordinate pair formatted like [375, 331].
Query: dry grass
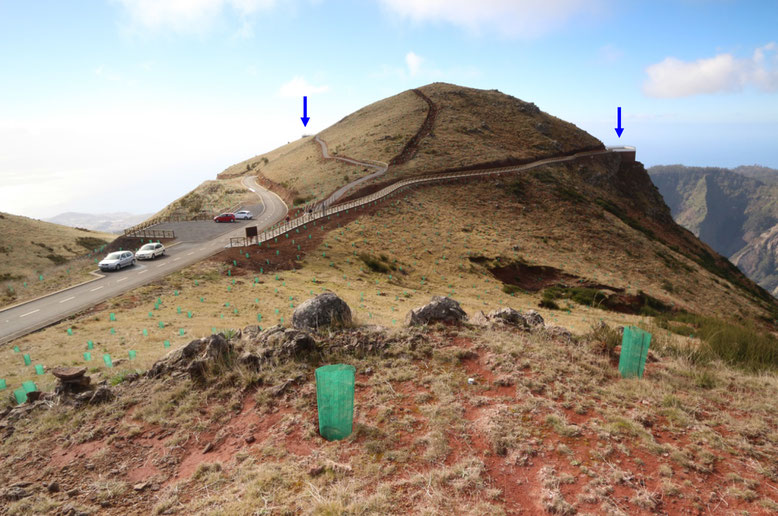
[211, 196]
[31, 248]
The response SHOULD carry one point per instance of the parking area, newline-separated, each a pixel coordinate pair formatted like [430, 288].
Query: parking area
[203, 230]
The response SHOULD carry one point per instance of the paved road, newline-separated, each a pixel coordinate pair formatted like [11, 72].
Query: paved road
[23, 319]
[380, 170]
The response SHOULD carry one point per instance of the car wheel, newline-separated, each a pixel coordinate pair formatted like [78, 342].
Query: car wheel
[118, 266]
[133, 262]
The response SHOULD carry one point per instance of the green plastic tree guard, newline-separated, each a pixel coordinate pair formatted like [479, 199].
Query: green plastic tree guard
[2, 384]
[87, 356]
[335, 400]
[20, 396]
[39, 369]
[29, 386]
[107, 360]
[634, 349]
[27, 360]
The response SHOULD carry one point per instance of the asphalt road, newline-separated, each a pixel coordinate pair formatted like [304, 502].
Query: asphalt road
[30, 316]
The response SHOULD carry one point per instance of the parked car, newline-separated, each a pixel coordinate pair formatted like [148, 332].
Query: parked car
[117, 260]
[244, 215]
[225, 217]
[150, 251]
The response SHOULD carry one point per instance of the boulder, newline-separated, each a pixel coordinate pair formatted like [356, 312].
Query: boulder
[217, 347]
[442, 309]
[533, 318]
[508, 316]
[324, 310]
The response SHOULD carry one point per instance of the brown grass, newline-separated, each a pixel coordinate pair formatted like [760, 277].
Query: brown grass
[31, 248]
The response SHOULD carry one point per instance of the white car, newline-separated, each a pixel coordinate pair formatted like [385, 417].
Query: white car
[244, 215]
[150, 251]
[117, 260]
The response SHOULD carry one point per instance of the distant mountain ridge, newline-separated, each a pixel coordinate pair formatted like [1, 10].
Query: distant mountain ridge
[106, 222]
[735, 211]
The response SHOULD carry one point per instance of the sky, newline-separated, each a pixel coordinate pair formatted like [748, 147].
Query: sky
[125, 105]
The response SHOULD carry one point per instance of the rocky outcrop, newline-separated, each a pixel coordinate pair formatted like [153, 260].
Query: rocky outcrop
[274, 342]
[324, 310]
[192, 357]
[439, 309]
[533, 318]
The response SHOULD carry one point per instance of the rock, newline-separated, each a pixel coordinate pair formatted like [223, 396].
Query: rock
[479, 319]
[249, 360]
[68, 373]
[33, 396]
[192, 357]
[14, 493]
[177, 358]
[208, 447]
[72, 492]
[368, 371]
[101, 395]
[141, 486]
[543, 128]
[249, 439]
[53, 487]
[217, 347]
[443, 309]
[509, 316]
[324, 310]
[278, 341]
[533, 318]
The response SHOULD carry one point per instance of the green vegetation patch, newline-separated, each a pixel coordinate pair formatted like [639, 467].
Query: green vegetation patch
[744, 346]
[641, 303]
[380, 263]
[90, 243]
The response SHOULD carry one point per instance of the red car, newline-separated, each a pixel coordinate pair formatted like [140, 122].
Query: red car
[225, 217]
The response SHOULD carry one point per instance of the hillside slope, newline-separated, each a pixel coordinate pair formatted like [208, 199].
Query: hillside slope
[31, 249]
[734, 211]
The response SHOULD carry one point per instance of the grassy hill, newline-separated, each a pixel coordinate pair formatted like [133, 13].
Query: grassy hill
[546, 425]
[32, 248]
[734, 211]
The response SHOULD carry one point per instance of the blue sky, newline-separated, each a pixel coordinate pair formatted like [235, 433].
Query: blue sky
[158, 95]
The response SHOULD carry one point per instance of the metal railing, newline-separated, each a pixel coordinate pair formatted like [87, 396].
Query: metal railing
[322, 211]
[152, 233]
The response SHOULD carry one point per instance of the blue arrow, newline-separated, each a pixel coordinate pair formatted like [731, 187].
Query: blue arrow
[619, 129]
[305, 116]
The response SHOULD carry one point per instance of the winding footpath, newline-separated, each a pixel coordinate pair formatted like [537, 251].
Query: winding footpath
[381, 169]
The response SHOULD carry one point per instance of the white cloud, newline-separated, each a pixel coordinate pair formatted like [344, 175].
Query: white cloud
[523, 18]
[187, 15]
[414, 63]
[298, 87]
[672, 78]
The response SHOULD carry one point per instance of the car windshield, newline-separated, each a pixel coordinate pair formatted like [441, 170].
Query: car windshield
[148, 247]
[113, 256]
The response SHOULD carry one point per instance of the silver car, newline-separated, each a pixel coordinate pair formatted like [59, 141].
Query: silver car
[244, 214]
[117, 260]
[150, 251]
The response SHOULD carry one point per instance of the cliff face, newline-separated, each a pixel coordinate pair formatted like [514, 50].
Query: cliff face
[733, 211]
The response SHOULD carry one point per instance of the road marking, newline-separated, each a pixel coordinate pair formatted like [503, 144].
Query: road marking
[97, 288]
[121, 279]
[143, 272]
[68, 299]
[176, 259]
[30, 313]
[202, 248]
[161, 265]
[190, 254]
